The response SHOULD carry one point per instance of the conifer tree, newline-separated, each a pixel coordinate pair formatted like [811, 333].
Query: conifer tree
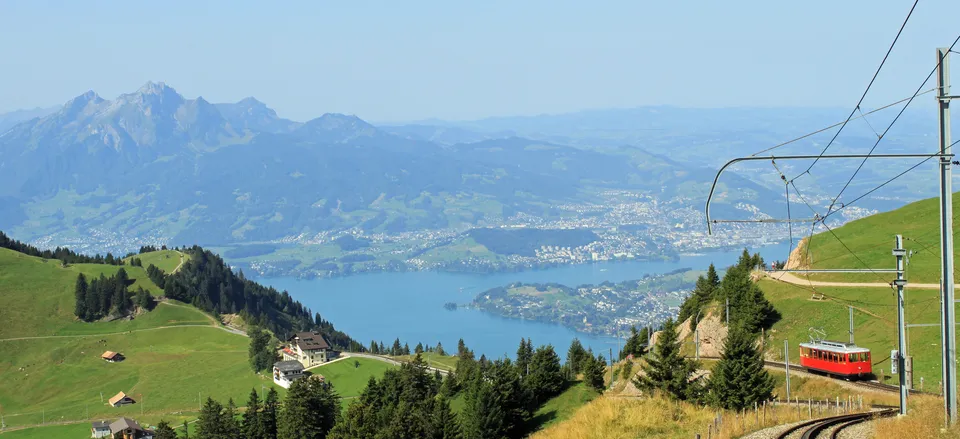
[440, 350]
[444, 422]
[593, 371]
[524, 355]
[545, 379]
[576, 355]
[163, 431]
[251, 417]
[666, 370]
[210, 424]
[483, 417]
[310, 410]
[739, 379]
[80, 293]
[406, 349]
[397, 348]
[418, 349]
[231, 426]
[268, 416]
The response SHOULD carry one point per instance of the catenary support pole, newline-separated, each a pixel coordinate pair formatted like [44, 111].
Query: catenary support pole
[786, 364]
[851, 324]
[946, 240]
[900, 282]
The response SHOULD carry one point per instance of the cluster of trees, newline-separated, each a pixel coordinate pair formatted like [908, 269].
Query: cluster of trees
[309, 411]
[207, 282]
[397, 349]
[738, 379]
[65, 255]
[748, 306]
[105, 296]
[263, 349]
[636, 344]
[737, 382]
[582, 361]
[150, 248]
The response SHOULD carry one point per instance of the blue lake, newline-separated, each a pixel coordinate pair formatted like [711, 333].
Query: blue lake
[384, 306]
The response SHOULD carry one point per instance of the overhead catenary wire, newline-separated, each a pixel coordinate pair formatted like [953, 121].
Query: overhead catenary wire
[885, 131]
[865, 91]
[797, 139]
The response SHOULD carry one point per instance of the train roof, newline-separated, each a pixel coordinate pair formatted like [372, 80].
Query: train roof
[835, 346]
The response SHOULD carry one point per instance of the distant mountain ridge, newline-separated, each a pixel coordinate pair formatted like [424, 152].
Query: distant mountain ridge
[152, 162]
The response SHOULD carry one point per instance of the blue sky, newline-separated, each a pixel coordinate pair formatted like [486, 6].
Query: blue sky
[409, 60]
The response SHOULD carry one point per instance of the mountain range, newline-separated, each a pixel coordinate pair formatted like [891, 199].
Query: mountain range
[154, 164]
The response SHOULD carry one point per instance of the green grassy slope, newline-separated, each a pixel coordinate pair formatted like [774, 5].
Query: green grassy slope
[37, 295]
[444, 362]
[872, 239]
[875, 323]
[349, 380]
[51, 366]
[166, 260]
[562, 406]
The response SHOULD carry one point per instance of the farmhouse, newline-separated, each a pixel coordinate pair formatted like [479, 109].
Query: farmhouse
[309, 348]
[112, 357]
[100, 429]
[286, 372]
[126, 428]
[121, 399]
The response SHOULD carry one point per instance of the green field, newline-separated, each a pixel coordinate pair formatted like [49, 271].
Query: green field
[166, 260]
[562, 406]
[875, 323]
[872, 239]
[350, 380]
[176, 355]
[444, 362]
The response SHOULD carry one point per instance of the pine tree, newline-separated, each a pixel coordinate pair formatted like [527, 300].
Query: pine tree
[576, 355]
[483, 417]
[80, 292]
[251, 417]
[440, 350]
[444, 423]
[545, 379]
[666, 370]
[310, 410]
[406, 349]
[268, 416]
[231, 426]
[418, 349]
[523, 357]
[163, 431]
[739, 379]
[397, 348]
[186, 430]
[261, 352]
[210, 424]
[593, 371]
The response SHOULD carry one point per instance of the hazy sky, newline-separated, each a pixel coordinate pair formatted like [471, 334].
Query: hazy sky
[408, 60]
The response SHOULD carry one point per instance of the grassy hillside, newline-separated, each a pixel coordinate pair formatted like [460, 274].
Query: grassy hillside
[349, 379]
[872, 239]
[875, 323]
[166, 260]
[175, 354]
[444, 362]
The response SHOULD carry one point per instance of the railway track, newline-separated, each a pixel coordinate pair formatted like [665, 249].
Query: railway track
[818, 427]
[872, 385]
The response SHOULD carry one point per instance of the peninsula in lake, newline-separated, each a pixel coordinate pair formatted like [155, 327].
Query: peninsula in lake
[604, 308]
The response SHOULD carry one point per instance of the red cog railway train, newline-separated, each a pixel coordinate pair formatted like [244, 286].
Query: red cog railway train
[845, 360]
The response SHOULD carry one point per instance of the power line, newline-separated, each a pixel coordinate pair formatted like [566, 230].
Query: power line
[867, 90]
[780, 145]
[845, 205]
[880, 137]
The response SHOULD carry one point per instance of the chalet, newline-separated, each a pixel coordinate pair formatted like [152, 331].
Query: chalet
[121, 399]
[112, 357]
[309, 348]
[100, 429]
[286, 372]
[126, 428]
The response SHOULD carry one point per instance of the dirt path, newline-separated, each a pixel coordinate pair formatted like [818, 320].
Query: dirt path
[178, 265]
[790, 278]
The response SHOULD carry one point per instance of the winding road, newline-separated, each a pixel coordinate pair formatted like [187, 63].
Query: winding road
[790, 278]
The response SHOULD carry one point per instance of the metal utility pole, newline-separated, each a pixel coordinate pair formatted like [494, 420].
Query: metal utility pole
[900, 282]
[851, 325]
[728, 312]
[786, 364]
[946, 240]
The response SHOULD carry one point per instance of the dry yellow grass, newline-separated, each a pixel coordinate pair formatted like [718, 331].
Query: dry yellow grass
[660, 418]
[924, 420]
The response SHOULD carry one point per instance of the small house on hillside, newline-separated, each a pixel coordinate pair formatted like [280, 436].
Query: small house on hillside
[121, 399]
[286, 372]
[126, 428]
[309, 348]
[112, 357]
[100, 429]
